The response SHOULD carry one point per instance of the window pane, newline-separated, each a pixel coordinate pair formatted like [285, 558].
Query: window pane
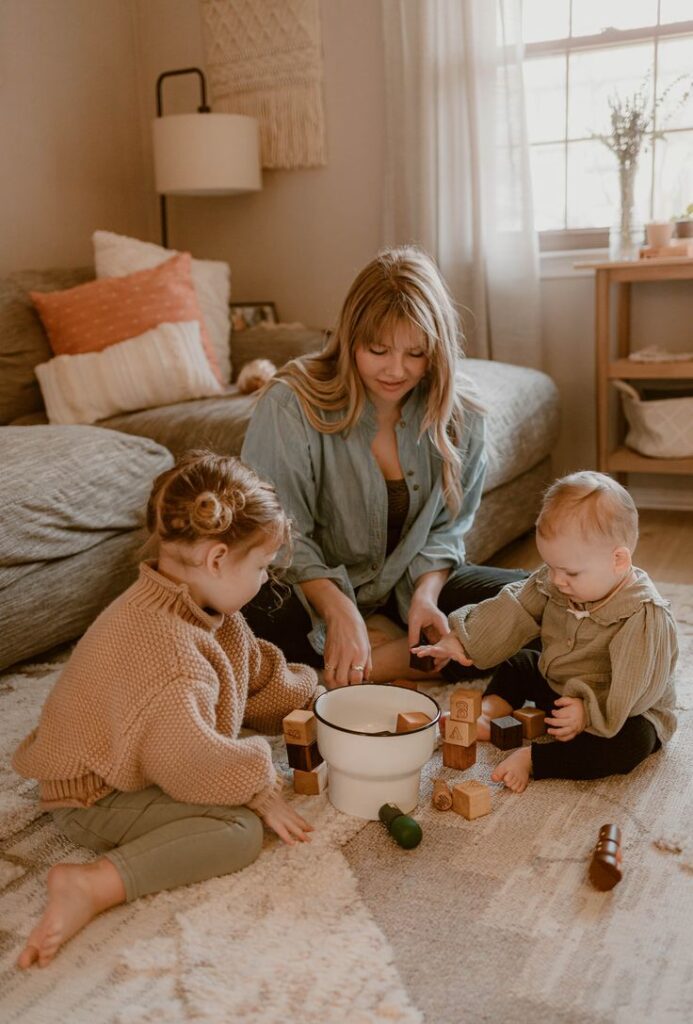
[545, 98]
[548, 187]
[674, 60]
[590, 17]
[675, 10]
[595, 75]
[673, 174]
[593, 195]
[542, 20]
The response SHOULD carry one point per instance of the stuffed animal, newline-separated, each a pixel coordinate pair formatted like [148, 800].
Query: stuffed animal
[255, 375]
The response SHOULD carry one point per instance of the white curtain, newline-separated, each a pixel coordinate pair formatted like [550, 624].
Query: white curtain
[458, 179]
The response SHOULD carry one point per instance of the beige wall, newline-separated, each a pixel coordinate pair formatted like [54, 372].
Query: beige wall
[70, 157]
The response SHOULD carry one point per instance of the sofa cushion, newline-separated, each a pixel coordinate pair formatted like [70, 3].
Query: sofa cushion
[23, 341]
[65, 489]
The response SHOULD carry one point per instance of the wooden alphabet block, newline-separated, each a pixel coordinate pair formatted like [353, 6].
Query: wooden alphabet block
[311, 783]
[459, 757]
[300, 728]
[442, 797]
[463, 733]
[471, 799]
[407, 721]
[506, 732]
[303, 758]
[465, 705]
[532, 720]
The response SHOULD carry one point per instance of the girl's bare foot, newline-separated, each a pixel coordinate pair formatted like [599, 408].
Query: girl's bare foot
[77, 893]
[514, 771]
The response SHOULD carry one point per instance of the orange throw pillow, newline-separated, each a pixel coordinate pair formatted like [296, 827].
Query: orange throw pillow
[93, 316]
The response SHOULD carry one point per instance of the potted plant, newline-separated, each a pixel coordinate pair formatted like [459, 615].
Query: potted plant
[684, 223]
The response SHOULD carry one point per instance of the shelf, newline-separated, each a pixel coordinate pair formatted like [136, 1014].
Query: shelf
[624, 460]
[628, 369]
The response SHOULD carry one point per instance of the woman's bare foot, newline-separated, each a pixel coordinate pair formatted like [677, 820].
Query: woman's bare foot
[491, 707]
[514, 771]
[77, 893]
[483, 728]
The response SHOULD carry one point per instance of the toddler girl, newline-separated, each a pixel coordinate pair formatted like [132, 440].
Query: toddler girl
[608, 642]
[137, 751]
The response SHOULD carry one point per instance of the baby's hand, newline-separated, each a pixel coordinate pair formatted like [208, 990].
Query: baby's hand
[568, 720]
[283, 819]
[447, 646]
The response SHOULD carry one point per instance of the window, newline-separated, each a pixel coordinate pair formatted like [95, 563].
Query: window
[578, 53]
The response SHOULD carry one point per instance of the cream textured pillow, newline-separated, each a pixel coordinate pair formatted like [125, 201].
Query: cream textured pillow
[117, 255]
[164, 365]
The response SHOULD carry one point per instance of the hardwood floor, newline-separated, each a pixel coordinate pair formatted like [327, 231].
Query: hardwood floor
[665, 548]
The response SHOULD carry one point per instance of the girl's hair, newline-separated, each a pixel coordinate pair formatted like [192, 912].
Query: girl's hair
[598, 504]
[399, 285]
[207, 496]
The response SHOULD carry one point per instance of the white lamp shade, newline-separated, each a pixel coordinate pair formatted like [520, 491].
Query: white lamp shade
[206, 154]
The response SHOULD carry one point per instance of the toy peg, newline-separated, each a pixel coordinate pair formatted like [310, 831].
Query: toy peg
[442, 797]
[405, 830]
[605, 867]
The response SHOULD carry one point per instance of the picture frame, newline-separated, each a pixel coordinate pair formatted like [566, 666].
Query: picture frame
[251, 314]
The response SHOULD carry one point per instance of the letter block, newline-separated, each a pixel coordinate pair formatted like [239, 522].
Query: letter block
[465, 705]
[532, 722]
[300, 728]
[311, 783]
[303, 758]
[463, 733]
[459, 757]
[442, 797]
[506, 732]
[471, 799]
[407, 721]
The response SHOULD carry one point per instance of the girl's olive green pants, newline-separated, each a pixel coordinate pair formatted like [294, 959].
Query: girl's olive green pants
[157, 843]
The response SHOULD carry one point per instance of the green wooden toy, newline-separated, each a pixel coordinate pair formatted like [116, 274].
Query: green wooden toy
[403, 829]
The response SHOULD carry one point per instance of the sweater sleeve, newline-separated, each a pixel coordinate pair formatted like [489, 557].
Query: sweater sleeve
[180, 750]
[497, 628]
[275, 687]
[643, 656]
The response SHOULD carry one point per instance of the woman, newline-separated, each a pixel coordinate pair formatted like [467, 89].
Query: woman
[376, 449]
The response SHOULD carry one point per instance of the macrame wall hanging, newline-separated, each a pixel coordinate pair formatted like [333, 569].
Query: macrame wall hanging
[264, 59]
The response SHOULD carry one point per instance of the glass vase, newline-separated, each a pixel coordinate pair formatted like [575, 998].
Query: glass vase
[626, 235]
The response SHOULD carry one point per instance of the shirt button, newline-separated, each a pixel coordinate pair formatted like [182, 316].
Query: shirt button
[410, 472]
[374, 567]
[415, 487]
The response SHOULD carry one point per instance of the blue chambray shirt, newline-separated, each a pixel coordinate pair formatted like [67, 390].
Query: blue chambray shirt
[335, 493]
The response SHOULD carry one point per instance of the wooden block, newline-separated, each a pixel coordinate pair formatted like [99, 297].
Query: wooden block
[463, 733]
[442, 797]
[605, 869]
[303, 758]
[426, 664]
[532, 720]
[407, 684]
[311, 783]
[471, 799]
[300, 728]
[456, 756]
[407, 721]
[506, 732]
[465, 705]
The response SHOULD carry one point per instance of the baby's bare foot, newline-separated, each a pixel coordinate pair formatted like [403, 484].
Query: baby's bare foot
[514, 771]
[77, 893]
[483, 728]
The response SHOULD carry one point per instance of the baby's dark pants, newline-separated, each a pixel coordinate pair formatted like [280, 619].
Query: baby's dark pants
[586, 757]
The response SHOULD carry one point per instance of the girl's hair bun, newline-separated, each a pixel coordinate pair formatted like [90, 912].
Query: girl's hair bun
[210, 514]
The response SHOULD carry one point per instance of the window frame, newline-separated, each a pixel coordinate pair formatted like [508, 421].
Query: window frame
[569, 239]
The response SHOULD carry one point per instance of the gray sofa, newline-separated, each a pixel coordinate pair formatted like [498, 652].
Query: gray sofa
[72, 498]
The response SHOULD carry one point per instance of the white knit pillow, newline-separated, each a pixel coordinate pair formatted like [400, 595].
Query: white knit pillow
[164, 365]
[118, 255]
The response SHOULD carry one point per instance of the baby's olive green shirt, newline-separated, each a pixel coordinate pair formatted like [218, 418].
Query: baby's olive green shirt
[618, 658]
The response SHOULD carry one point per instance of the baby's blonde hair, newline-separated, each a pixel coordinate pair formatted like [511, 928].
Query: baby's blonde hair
[598, 504]
[207, 496]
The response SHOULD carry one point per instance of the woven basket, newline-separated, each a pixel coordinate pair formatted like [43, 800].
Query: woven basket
[661, 428]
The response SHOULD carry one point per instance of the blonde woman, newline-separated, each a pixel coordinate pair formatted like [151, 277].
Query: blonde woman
[376, 448]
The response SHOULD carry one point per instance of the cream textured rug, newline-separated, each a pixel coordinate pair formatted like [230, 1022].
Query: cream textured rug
[491, 920]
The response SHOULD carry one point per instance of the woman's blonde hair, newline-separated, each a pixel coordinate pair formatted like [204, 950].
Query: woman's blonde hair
[595, 503]
[399, 285]
[207, 496]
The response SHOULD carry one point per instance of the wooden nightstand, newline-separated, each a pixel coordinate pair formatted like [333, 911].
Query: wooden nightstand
[613, 456]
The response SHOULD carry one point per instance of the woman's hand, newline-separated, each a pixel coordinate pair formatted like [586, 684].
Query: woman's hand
[280, 816]
[347, 647]
[569, 720]
[426, 617]
[446, 648]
